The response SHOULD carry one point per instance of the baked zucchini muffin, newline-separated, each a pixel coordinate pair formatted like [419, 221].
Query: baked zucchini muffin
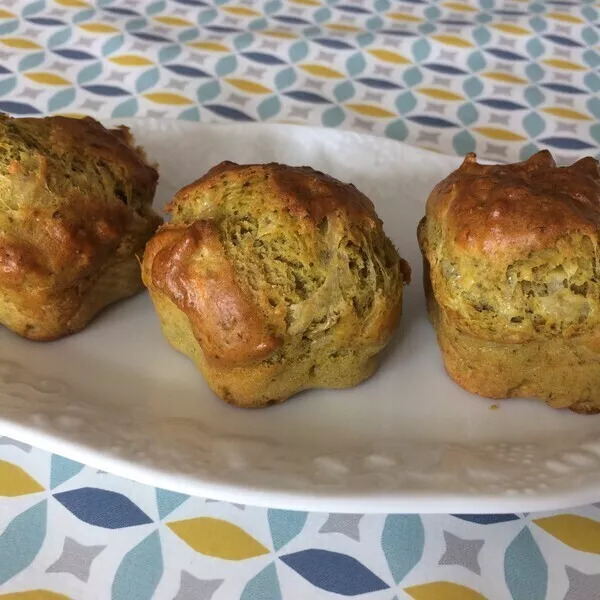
[75, 211]
[512, 278]
[274, 279]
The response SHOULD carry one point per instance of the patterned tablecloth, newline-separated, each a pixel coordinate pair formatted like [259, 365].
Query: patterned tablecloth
[503, 78]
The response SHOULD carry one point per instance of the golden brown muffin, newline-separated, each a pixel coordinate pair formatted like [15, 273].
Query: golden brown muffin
[512, 278]
[274, 279]
[75, 211]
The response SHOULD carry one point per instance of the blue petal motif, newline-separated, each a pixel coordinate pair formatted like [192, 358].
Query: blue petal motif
[45, 21]
[168, 501]
[501, 104]
[21, 541]
[106, 90]
[446, 69]
[291, 20]
[563, 88]
[562, 41]
[334, 572]
[102, 508]
[487, 519]
[525, 569]
[402, 541]
[380, 84]
[335, 44]
[303, 96]
[221, 29]
[565, 143]
[285, 525]
[505, 54]
[431, 121]
[187, 71]
[228, 112]
[73, 54]
[61, 469]
[122, 11]
[18, 108]
[353, 9]
[263, 59]
[140, 571]
[264, 586]
[398, 32]
[151, 37]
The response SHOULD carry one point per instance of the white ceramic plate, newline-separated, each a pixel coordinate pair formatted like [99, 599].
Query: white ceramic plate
[117, 397]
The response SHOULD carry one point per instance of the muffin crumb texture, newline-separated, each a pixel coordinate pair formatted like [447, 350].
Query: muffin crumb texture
[513, 279]
[275, 279]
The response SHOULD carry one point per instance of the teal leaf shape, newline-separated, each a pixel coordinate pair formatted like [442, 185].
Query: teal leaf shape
[593, 105]
[83, 16]
[264, 586]
[156, 7]
[534, 72]
[269, 107]
[397, 130]
[59, 38]
[463, 143]
[333, 117]
[112, 45]
[412, 76]
[476, 61]
[528, 151]
[592, 58]
[432, 13]
[421, 50]
[525, 570]
[31, 60]
[374, 23]
[89, 73]
[226, 65]
[355, 64]
[25, 533]
[467, 114]
[402, 541]
[206, 16]
[8, 27]
[168, 501]
[243, 40]
[534, 47]
[147, 80]
[364, 38]
[61, 99]
[140, 571]
[126, 109]
[169, 53]
[208, 91]
[285, 525]
[322, 15]
[272, 6]
[595, 132]
[298, 51]
[472, 87]
[538, 24]
[405, 102]
[589, 36]
[285, 78]
[188, 35]
[382, 5]
[33, 8]
[534, 124]
[344, 91]
[61, 469]
[534, 96]
[481, 35]
[190, 114]
[258, 24]
[592, 81]
[7, 85]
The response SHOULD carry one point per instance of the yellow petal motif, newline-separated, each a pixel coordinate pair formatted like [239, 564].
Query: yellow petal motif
[20, 43]
[445, 590]
[321, 71]
[278, 34]
[507, 28]
[211, 46]
[215, 537]
[72, 3]
[98, 28]
[575, 531]
[248, 86]
[499, 134]
[405, 17]
[167, 98]
[16, 482]
[47, 78]
[506, 77]
[453, 40]
[564, 17]
[306, 2]
[130, 60]
[4, 14]
[241, 11]
[567, 113]
[370, 110]
[340, 27]
[440, 94]
[459, 6]
[173, 21]
[34, 595]
[560, 63]
[389, 56]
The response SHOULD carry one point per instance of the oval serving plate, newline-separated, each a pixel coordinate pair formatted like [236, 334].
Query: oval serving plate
[117, 397]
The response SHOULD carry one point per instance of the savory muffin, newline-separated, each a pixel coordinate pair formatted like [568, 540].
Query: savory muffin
[274, 279]
[512, 278]
[75, 211]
